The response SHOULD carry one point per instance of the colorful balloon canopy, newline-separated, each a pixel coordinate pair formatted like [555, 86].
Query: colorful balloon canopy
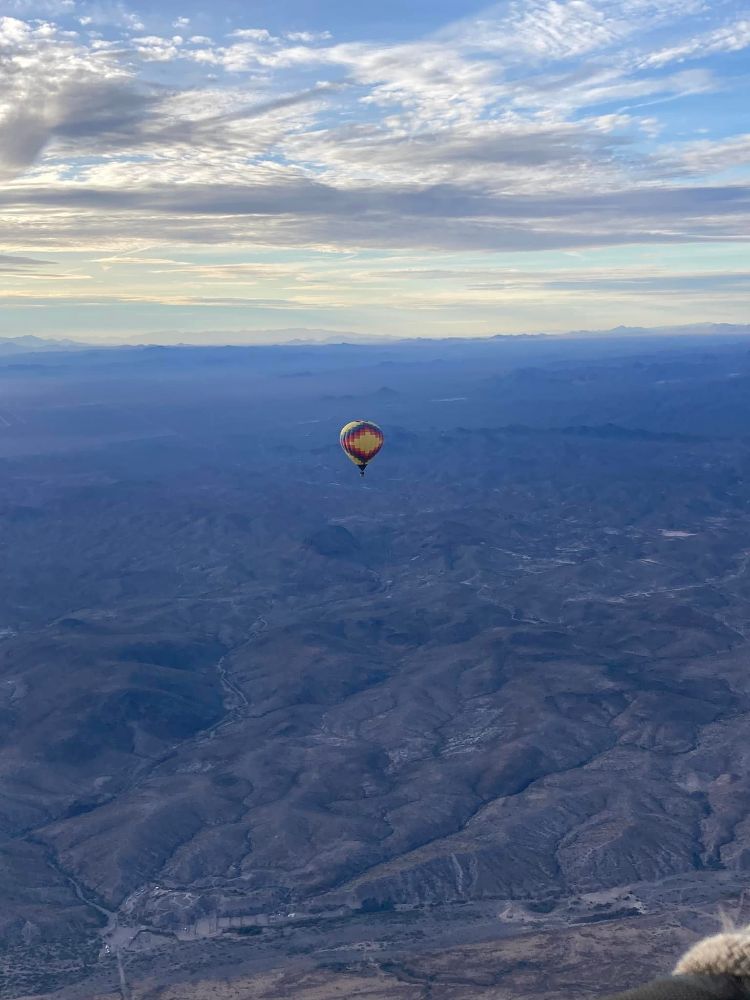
[361, 440]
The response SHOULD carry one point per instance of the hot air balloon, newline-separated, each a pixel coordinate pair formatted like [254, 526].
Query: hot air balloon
[361, 440]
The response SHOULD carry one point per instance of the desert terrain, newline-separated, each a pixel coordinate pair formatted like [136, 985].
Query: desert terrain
[474, 726]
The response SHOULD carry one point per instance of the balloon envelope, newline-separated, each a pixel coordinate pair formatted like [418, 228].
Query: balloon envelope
[361, 441]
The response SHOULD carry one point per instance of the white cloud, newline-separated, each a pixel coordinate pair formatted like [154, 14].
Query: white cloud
[564, 29]
[307, 36]
[155, 49]
[252, 34]
[730, 38]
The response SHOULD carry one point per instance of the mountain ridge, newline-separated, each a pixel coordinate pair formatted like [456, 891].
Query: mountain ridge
[303, 337]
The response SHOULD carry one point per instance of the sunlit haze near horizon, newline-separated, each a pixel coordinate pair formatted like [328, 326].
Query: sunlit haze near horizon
[220, 171]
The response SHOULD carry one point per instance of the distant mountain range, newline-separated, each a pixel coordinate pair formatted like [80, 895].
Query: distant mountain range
[303, 335]
[28, 344]
[299, 336]
[690, 329]
[249, 338]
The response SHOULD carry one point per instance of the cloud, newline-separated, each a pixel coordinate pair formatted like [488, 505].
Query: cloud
[50, 82]
[80, 112]
[153, 48]
[729, 38]
[556, 30]
[75, 100]
[517, 129]
[549, 30]
[66, 298]
[12, 263]
[655, 282]
[133, 120]
[308, 213]
[307, 36]
[39, 8]
[706, 157]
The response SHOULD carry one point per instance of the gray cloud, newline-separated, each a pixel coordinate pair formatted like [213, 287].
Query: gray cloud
[305, 211]
[137, 119]
[94, 116]
[74, 110]
[104, 108]
[304, 196]
[23, 137]
[10, 263]
[81, 114]
[14, 260]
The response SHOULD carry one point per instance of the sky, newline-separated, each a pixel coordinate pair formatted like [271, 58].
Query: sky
[256, 170]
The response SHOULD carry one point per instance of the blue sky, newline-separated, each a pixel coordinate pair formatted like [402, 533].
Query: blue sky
[247, 171]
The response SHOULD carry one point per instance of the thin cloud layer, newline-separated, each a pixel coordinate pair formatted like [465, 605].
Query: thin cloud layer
[537, 126]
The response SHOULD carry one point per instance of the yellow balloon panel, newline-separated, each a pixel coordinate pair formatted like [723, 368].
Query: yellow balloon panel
[361, 441]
